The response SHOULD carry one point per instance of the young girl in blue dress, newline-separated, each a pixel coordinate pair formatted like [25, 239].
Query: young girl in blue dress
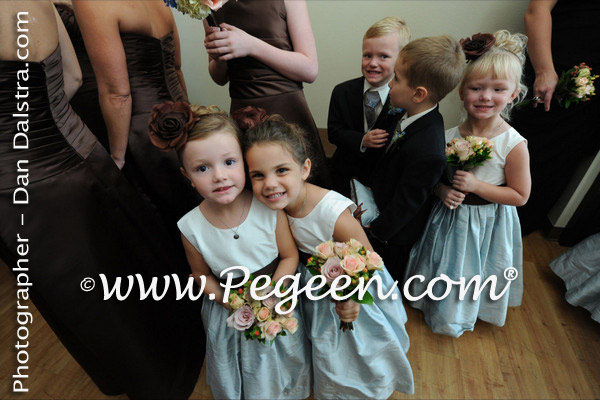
[478, 234]
[369, 361]
[231, 228]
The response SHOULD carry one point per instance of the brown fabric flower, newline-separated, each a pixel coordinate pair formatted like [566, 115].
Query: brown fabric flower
[474, 47]
[170, 124]
[248, 117]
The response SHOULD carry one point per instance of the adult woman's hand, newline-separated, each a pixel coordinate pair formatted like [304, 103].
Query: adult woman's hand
[543, 87]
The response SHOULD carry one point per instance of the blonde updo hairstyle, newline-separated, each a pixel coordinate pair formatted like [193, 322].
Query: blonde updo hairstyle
[504, 60]
[211, 120]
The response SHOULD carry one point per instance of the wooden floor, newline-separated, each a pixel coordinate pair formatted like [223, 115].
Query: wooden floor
[547, 349]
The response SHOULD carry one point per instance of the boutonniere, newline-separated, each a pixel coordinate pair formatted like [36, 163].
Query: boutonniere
[397, 137]
[394, 110]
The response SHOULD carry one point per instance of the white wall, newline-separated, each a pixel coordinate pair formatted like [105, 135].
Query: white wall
[338, 27]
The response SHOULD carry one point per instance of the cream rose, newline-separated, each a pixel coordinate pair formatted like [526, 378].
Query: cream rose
[374, 260]
[325, 249]
[463, 149]
[271, 329]
[214, 4]
[290, 325]
[584, 72]
[352, 264]
[236, 301]
[355, 244]
[341, 249]
[263, 314]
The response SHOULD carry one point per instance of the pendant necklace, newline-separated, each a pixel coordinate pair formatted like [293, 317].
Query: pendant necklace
[235, 231]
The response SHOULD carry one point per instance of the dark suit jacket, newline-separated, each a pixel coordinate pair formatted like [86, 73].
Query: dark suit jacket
[403, 179]
[345, 128]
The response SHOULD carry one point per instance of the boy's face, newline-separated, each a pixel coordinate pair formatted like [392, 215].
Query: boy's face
[379, 55]
[401, 93]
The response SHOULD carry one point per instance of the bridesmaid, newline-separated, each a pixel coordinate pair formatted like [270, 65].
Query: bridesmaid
[265, 50]
[134, 49]
[83, 219]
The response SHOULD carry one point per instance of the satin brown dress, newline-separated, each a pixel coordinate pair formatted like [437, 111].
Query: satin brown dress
[84, 219]
[252, 83]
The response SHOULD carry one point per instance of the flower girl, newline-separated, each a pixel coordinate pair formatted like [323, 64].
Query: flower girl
[231, 228]
[369, 361]
[473, 230]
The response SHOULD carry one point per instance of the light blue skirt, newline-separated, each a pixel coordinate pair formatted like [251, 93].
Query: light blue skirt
[469, 241]
[580, 269]
[367, 362]
[237, 368]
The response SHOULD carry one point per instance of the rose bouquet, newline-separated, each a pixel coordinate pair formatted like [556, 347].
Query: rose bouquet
[350, 258]
[258, 319]
[575, 85]
[198, 9]
[467, 153]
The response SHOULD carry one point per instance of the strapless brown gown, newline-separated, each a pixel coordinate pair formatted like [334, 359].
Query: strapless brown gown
[252, 83]
[152, 80]
[84, 219]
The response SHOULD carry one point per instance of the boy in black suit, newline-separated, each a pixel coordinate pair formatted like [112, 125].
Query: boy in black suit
[360, 120]
[413, 162]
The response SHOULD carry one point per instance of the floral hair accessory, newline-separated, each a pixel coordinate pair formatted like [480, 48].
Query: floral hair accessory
[475, 46]
[248, 117]
[170, 123]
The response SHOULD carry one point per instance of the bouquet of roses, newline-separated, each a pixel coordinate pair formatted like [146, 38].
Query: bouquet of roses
[259, 319]
[467, 153]
[575, 85]
[333, 259]
[198, 9]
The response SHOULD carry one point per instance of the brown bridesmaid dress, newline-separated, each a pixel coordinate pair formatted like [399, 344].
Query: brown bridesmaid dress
[252, 83]
[84, 219]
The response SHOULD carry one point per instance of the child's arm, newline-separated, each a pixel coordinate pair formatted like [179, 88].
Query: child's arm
[347, 227]
[299, 65]
[199, 268]
[518, 180]
[288, 253]
[450, 197]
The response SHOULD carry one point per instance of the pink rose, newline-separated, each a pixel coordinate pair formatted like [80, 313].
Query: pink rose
[475, 140]
[325, 249]
[341, 249]
[290, 325]
[285, 312]
[463, 149]
[374, 260]
[581, 81]
[449, 151]
[332, 269]
[214, 4]
[241, 319]
[271, 329]
[263, 314]
[271, 301]
[353, 264]
[236, 301]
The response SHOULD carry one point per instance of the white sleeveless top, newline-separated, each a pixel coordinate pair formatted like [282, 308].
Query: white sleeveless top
[318, 225]
[255, 248]
[492, 170]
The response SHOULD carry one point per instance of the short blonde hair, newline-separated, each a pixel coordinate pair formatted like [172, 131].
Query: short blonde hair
[389, 25]
[504, 60]
[436, 63]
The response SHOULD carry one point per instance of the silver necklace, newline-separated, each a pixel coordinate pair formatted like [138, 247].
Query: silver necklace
[470, 132]
[301, 207]
[235, 231]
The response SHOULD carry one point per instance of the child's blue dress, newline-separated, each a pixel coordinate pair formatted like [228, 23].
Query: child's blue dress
[471, 240]
[369, 361]
[237, 368]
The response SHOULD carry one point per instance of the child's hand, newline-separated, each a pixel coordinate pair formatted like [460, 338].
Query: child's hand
[229, 43]
[465, 181]
[347, 310]
[375, 138]
[450, 197]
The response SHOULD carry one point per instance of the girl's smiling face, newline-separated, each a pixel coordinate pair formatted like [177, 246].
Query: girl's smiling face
[485, 97]
[277, 178]
[215, 167]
